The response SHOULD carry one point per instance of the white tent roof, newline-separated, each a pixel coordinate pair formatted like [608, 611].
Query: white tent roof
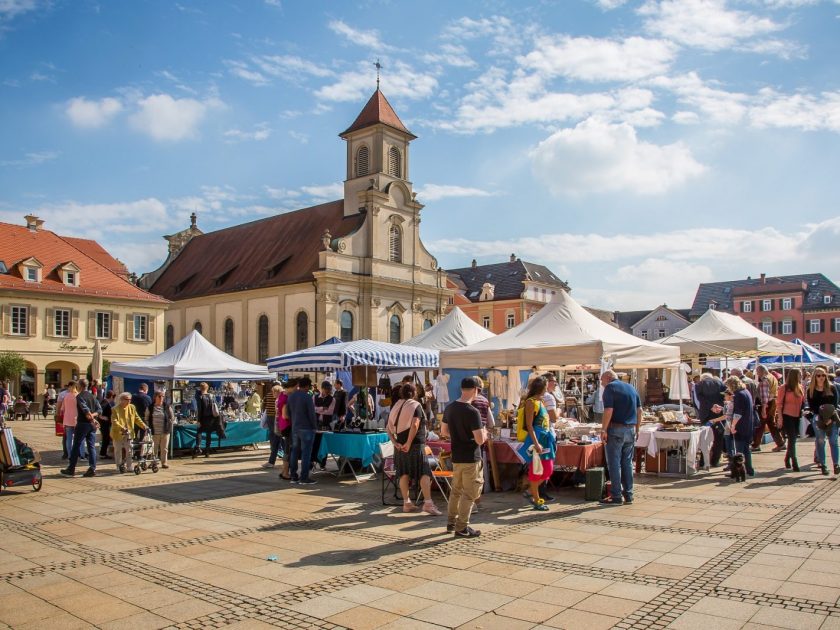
[192, 359]
[560, 335]
[724, 335]
[456, 330]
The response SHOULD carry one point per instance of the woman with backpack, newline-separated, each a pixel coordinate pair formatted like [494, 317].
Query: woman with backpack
[535, 432]
[789, 403]
[209, 420]
[822, 392]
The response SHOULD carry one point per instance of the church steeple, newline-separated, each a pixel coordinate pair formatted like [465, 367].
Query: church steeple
[377, 150]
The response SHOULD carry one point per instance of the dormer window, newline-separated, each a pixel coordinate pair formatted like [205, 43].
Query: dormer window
[70, 278]
[826, 299]
[32, 274]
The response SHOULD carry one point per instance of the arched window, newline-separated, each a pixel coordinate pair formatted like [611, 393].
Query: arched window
[170, 336]
[395, 329]
[427, 323]
[229, 335]
[394, 162]
[197, 326]
[362, 161]
[395, 244]
[302, 331]
[346, 326]
[262, 339]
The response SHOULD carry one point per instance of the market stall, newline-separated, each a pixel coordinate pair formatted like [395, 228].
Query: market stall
[364, 359]
[810, 358]
[191, 360]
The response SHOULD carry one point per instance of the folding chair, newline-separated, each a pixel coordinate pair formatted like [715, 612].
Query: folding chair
[389, 473]
[441, 476]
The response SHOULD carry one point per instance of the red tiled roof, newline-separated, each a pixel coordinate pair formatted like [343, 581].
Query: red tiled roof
[378, 110]
[97, 252]
[278, 250]
[18, 243]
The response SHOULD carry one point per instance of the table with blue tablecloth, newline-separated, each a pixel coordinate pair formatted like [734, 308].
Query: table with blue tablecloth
[236, 434]
[343, 447]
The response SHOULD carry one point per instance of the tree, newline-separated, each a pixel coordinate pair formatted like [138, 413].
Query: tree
[12, 365]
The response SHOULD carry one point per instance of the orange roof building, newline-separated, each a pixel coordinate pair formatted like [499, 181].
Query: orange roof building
[59, 295]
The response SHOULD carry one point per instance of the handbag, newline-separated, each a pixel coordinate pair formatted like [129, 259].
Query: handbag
[521, 427]
[264, 423]
[827, 415]
[536, 462]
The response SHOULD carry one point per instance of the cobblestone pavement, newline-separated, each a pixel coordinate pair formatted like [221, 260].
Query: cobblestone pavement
[221, 543]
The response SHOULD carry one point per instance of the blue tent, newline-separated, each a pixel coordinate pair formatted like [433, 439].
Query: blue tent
[342, 356]
[810, 356]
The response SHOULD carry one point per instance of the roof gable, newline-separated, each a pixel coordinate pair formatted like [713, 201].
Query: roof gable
[377, 111]
[274, 251]
[662, 309]
[508, 279]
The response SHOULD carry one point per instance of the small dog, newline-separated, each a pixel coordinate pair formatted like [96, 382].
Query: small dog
[738, 471]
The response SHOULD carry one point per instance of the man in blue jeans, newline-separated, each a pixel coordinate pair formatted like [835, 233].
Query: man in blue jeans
[619, 429]
[301, 407]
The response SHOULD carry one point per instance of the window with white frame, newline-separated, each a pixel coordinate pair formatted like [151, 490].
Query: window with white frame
[836, 348]
[61, 325]
[837, 324]
[485, 321]
[766, 305]
[70, 278]
[813, 325]
[103, 326]
[826, 299]
[141, 328]
[20, 320]
[817, 345]
[787, 304]
[643, 334]
[511, 320]
[746, 307]
[660, 333]
[32, 274]
[787, 327]
[767, 327]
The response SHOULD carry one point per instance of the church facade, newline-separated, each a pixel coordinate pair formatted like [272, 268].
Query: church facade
[354, 268]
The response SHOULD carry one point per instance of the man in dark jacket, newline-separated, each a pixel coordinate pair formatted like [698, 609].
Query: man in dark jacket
[86, 426]
[141, 400]
[709, 392]
[301, 408]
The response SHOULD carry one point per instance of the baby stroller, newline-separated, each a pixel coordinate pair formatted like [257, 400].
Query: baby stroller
[143, 453]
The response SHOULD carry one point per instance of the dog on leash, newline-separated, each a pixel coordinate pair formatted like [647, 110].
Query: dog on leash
[738, 470]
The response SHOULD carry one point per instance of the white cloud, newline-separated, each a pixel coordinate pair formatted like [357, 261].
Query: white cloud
[685, 118]
[436, 192]
[402, 81]
[705, 24]
[609, 5]
[243, 71]
[33, 158]
[718, 104]
[598, 157]
[798, 111]
[165, 118]
[261, 132]
[92, 114]
[453, 55]
[300, 137]
[366, 39]
[593, 59]
[326, 192]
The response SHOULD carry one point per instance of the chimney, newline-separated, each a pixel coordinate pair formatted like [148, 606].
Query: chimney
[474, 263]
[33, 223]
[513, 258]
[764, 278]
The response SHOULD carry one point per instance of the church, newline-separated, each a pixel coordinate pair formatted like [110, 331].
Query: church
[354, 268]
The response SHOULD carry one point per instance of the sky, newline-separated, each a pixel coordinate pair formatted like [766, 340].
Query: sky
[636, 148]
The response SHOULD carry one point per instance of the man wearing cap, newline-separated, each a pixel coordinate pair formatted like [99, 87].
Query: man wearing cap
[462, 425]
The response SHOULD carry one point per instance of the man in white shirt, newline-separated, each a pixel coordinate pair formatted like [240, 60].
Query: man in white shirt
[551, 400]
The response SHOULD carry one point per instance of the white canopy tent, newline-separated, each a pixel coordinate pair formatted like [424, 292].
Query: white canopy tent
[456, 330]
[723, 335]
[562, 335]
[192, 359]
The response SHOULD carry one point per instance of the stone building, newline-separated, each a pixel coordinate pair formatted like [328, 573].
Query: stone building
[354, 268]
[58, 295]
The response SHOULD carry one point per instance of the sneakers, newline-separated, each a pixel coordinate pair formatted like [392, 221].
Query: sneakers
[409, 507]
[121, 469]
[450, 528]
[431, 508]
[836, 469]
[72, 473]
[90, 472]
[467, 532]
[307, 482]
[540, 506]
[164, 466]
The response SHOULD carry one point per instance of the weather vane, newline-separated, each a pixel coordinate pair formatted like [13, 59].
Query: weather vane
[378, 68]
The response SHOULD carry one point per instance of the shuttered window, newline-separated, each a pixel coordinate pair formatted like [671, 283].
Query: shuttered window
[103, 325]
[395, 244]
[141, 328]
[61, 322]
[20, 320]
[362, 161]
[394, 162]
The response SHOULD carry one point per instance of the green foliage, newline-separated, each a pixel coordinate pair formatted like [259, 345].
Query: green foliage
[106, 369]
[12, 365]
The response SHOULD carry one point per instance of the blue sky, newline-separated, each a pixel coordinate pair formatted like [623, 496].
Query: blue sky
[635, 147]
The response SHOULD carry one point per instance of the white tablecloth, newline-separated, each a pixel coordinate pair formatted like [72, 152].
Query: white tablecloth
[645, 433]
[691, 440]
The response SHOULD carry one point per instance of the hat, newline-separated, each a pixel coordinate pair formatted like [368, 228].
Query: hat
[469, 383]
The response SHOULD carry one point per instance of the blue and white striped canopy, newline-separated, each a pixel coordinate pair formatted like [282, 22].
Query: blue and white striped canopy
[337, 356]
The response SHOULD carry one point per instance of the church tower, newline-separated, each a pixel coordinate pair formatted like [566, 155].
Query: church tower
[377, 151]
